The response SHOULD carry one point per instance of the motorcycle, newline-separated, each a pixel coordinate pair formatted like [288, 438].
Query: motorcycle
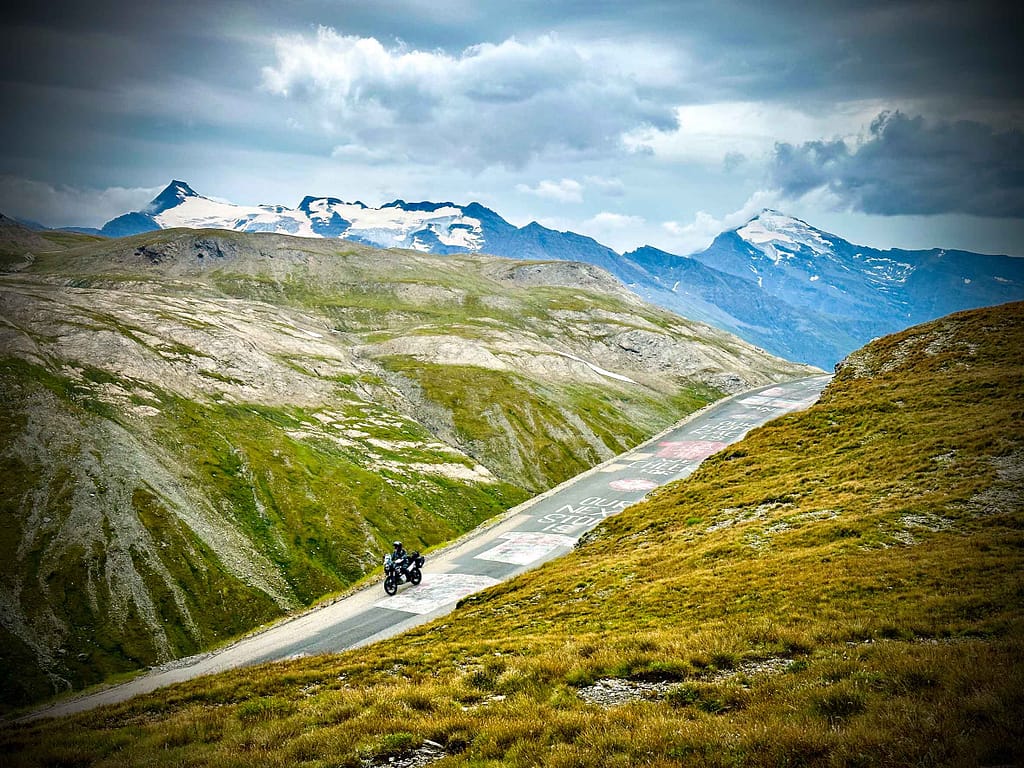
[395, 574]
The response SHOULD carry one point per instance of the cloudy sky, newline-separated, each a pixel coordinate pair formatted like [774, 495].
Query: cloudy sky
[655, 122]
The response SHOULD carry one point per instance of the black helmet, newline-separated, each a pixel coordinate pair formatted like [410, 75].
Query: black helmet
[397, 544]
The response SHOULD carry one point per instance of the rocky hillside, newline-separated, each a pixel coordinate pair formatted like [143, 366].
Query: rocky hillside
[202, 430]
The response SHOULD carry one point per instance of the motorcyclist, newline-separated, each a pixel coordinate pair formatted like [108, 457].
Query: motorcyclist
[400, 557]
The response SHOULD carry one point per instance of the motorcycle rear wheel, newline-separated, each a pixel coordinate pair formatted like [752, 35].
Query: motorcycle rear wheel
[415, 576]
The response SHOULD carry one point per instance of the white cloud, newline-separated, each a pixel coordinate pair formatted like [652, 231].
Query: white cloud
[66, 206]
[610, 187]
[564, 191]
[621, 232]
[612, 221]
[726, 131]
[362, 154]
[491, 104]
[698, 234]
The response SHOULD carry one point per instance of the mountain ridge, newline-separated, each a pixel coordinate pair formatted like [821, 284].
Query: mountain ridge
[777, 281]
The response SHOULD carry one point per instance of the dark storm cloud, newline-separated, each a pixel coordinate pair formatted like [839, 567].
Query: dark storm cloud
[113, 92]
[823, 50]
[72, 73]
[737, 48]
[911, 166]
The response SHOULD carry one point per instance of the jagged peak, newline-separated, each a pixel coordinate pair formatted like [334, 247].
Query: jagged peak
[651, 249]
[174, 194]
[308, 200]
[478, 207]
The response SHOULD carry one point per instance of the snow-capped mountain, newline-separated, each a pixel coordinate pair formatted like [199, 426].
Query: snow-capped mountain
[441, 228]
[822, 296]
[776, 281]
[791, 259]
[432, 227]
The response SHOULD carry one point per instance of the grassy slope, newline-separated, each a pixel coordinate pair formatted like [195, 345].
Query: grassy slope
[841, 588]
[305, 504]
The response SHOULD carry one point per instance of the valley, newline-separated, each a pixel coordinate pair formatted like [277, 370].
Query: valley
[841, 586]
[547, 526]
[207, 430]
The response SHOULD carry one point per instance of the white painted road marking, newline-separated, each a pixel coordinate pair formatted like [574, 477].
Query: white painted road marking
[770, 402]
[726, 430]
[435, 591]
[574, 518]
[523, 547]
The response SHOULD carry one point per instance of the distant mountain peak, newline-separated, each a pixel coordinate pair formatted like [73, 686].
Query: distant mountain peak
[174, 194]
[775, 219]
[771, 229]
[308, 200]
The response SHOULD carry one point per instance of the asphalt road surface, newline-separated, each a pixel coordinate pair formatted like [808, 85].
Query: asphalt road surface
[542, 528]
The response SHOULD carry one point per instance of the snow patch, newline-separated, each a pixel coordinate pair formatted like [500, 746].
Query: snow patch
[597, 369]
[389, 227]
[771, 228]
[201, 212]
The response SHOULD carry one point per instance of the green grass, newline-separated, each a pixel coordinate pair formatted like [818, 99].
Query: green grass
[529, 432]
[320, 513]
[315, 508]
[306, 500]
[843, 587]
[71, 239]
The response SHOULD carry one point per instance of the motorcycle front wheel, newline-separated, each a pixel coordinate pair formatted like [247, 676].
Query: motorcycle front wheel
[390, 585]
[415, 576]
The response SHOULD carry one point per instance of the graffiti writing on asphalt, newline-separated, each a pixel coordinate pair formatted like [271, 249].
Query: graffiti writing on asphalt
[663, 467]
[691, 449]
[723, 430]
[524, 547]
[583, 515]
[764, 404]
[436, 591]
[632, 484]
